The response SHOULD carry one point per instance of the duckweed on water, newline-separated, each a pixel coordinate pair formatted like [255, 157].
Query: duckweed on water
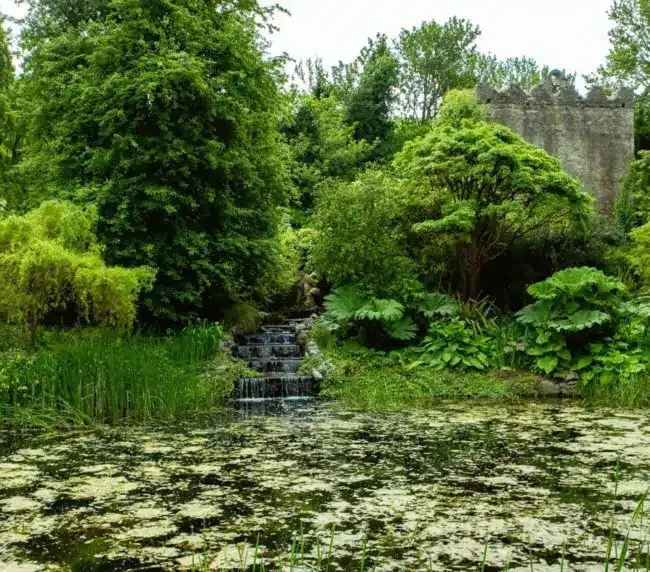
[419, 489]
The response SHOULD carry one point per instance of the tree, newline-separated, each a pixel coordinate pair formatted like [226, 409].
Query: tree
[639, 256]
[628, 61]
[370, 104]
[359, 237]
[6, 120]
[492, 188]
[523, 71]
[633, 205]
[435, 58]
[49, 259]
[322, 145]
[164, 114]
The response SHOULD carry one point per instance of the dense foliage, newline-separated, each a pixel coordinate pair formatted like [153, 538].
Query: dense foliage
[164, 116]
[489, 187]
[49, 260]
[158, 165]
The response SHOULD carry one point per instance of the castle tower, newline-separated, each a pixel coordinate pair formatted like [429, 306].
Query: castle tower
[592, 136]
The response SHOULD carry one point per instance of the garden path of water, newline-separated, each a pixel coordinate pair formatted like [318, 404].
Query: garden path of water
[425, 488]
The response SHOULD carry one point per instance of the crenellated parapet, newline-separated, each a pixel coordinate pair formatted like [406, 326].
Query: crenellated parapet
[592, 135]
[555, 92]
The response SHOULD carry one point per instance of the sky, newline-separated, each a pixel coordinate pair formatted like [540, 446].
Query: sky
[570, 34]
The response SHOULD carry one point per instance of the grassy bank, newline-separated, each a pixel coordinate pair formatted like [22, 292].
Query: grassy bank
[365, 379]
[91, 375]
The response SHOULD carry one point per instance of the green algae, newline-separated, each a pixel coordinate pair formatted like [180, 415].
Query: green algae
[531, 479]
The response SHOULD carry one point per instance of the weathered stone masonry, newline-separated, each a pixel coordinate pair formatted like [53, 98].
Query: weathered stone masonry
[592, 136]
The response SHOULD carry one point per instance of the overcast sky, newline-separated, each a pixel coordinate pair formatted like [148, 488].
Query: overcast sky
[569, 34]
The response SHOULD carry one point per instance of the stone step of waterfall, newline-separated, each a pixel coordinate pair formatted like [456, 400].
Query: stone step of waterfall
[252, 351]
[282, 329]
[277, 365]
[280, 386]
[271, 339]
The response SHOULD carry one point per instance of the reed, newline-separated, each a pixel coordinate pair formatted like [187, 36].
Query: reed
[81, 377]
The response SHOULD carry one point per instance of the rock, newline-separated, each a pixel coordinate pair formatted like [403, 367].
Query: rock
[547, 388]
[317, 375]
[227, 344]
[326, 368]
[302, 338]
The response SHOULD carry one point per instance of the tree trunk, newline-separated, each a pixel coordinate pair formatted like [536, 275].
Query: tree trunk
[32, 325]
[470, 265]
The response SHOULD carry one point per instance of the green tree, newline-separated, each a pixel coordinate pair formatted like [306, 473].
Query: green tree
[490, 186]
[49, 259]
[371, 102]
[522, 71]
[7, 140]
[322, 145]
[164, 114]
[435, 58]
[633, 205]
[639, 256]
[359, 237]
[628, 61]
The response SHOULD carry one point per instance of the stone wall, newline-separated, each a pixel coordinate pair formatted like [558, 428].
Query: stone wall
[592, 136]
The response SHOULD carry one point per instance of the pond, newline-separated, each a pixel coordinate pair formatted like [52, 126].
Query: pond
[419, 490]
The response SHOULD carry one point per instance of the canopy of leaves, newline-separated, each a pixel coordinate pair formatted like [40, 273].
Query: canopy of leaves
[360, 239]
[6, 120]
[633, 206]
[164, 114]
[49, 260]
[523, 71]
[322, 145]
[370, 103]
[492, 187]
[628, 61]
[434, 59]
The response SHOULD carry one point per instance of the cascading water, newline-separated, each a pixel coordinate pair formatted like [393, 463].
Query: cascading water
[275, 353]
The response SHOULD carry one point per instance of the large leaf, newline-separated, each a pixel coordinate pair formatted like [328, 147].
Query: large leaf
[387, 311]
[438, 304]
[404, 329]
[344, 303]
[537, 314]
[579, 321]
[547, 364]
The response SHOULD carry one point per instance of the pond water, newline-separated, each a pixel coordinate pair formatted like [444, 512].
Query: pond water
[422, 490]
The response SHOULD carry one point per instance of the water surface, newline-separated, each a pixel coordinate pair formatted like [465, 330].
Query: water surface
[425, 488]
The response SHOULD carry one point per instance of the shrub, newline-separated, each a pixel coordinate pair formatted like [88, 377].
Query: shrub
[453, 345]
[577, 320]
[359, 238]
[348, 309]
[49, 259]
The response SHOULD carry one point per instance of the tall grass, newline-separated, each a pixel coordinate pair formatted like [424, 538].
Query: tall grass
[109, 377]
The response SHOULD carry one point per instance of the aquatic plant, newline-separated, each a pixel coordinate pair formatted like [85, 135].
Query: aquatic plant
[103, 376]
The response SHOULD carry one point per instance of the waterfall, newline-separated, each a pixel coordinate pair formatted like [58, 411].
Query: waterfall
[274, 352]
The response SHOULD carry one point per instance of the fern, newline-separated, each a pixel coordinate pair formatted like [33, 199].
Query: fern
[344, 303]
